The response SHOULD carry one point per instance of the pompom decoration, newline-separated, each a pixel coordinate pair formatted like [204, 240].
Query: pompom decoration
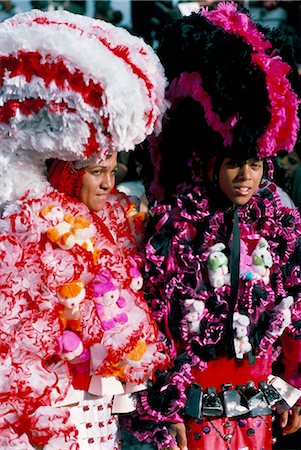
[72, 88]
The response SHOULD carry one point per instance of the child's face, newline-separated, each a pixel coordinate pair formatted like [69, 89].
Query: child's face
[240, 179]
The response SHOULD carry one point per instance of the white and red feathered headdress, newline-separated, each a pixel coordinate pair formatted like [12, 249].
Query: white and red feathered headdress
[72, 88]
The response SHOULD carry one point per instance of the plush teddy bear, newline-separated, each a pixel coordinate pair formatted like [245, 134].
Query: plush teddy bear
[194, 312]
[52, 214]
[245, 270]
[108, 301]
[70, 296]
[218, 271]
[136, 277]
[241, 340]
[261, 262]
[71, 348]
[71, 231]
[284, 313]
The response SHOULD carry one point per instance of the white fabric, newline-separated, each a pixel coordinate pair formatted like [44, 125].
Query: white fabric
[97, 427]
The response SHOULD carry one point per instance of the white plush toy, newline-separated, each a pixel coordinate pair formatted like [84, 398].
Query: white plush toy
[218, 266]
[136, 277]
[241, 340]
[194, 312]
[71, 231]
[261, 262]
[284, 309]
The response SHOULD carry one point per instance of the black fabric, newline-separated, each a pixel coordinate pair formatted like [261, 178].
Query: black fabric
[234, 275]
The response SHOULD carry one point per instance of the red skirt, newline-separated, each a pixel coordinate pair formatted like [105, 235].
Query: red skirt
[252, 433]
[230, 434]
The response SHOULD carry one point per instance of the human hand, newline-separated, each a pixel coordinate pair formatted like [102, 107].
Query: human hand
[290, 421]
[178, 432]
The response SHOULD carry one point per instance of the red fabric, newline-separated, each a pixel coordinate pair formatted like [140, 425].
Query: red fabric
[63, 177]
[81, 380]
[31, 64]
[251, 434]
[292, 361]
[225, 370]
[120, 50]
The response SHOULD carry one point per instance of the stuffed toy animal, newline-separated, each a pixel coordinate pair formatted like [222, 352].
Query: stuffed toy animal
[108, 301]
[136, 277]
[71, 231]
[71, 348]
[284, 313]
[245, 270]
[261, 262]
[241, 340]
[194, 313]
[218, 271]
[136, 221]
[70, 296]
[52, 214]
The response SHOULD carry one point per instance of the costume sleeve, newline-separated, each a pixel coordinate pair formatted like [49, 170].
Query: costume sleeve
[291, 271]
[165, 397]
[30, 332]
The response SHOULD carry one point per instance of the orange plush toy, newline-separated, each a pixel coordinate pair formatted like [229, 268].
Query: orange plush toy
[70, 296]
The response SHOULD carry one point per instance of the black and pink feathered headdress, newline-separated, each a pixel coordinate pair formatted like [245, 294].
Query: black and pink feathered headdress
[230, 91]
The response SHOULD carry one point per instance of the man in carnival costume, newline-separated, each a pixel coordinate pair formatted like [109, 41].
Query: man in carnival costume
[223, 253]
[77, 338]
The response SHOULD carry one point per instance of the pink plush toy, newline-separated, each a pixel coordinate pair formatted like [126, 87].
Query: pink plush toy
[108, 301]
[71, 348]
[245, 262]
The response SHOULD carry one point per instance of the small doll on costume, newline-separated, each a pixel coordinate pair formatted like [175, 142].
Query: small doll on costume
[218, 271]
[108, 301]
[223, 253]
[77, 336]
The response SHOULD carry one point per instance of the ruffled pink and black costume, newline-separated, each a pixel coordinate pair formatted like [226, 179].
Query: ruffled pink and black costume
[177, 266]
[223, 280]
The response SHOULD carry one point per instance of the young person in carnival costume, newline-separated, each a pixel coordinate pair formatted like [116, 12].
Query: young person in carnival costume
[223, 253]
[77, 338]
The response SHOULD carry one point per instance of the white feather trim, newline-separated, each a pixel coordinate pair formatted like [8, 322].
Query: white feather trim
[19, 173]
[128, 101]
[133, 86]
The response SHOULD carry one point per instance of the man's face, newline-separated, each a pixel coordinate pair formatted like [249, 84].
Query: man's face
[290, 164]
[239, 180]
[98, 181]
